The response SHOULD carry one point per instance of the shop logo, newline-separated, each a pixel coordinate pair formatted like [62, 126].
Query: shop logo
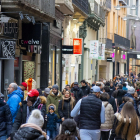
[29, 42]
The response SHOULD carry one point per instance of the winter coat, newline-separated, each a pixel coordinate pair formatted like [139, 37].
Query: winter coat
[29, 131]
[78, 94]
[53, 99]
[112, 89]
[21, 117]
[113, 135]
[109, 116]
[13, 101]
[120, 94]
[5, 119]
[113, 103]
[138, 84]
[85, 90]
[52, 119]
[21, 91]
[125, 89]
[90, 110]
[68, 105]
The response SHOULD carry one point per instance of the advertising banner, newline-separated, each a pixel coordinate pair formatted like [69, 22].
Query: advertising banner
[94, 46]
[101, 51]
[77, 45]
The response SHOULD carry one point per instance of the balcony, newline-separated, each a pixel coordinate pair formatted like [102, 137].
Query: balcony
[65, 6]
[42, 10]
[124, 2]
[106, 4]
[82, 5]
[121, 42]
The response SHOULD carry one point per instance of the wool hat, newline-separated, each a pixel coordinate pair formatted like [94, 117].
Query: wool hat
[47, 91]
[55, 86]
[36, 118]
[75, 83]
[131, 90]
[95, 89]
[51, 107]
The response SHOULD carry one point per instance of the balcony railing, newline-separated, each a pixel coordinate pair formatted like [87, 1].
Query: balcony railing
[66, 6]
[83, 5]
[124, 2]
[121, 41]
[44, 6]
[102, 13]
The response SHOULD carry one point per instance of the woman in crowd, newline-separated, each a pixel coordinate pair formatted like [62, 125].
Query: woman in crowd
[126, 124]
[109, 117]
[32, 130]
[66, 105]
[69, 131]
[64, 91]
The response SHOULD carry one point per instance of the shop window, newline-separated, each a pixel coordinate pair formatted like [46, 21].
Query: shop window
[29, 70]
[51, 65]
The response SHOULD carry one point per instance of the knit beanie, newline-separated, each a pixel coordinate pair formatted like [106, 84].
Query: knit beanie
[51, 107]
[55, 86]
[36, 118]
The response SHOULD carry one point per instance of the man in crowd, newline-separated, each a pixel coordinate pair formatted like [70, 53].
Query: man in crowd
[14, 98]
[78, 94]
[111, 99]
[55, 97]
[22, 88]
[46, 92]
[85, 88]
[92, 114]
[26, 107]
[68, 87]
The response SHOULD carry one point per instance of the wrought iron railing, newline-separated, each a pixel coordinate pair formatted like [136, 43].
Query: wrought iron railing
[121, 41]
[45, 6]
[82, 5]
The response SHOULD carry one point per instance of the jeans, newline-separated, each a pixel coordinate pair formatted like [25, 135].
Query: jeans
[51, 134]
[105, 135]
[3, 137]
[90, 134]
[57, 128]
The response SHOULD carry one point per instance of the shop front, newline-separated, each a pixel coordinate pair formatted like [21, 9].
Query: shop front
[133, 64]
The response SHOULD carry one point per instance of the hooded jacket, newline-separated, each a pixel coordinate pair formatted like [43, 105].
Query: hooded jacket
[65, 107]
[21, 117]
[13, 101]
[78, 94]
[85, 90]
[109, 116]
[5, 119]
[53, 99]
[52, 119]
[29, 131]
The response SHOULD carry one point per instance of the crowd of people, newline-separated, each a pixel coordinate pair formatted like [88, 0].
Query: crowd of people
[105, 110]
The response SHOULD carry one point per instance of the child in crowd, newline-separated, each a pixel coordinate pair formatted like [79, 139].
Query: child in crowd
[52, 119]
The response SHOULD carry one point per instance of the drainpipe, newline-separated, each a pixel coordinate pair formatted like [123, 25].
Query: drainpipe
[97, 63]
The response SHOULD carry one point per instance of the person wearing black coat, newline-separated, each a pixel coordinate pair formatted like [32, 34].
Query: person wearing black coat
[85, 88]
[5, 120]
[26, 107]
[120, 94]
[111, 99]
[77, 92]
[65, 106]
[112, 88]
[32, 130]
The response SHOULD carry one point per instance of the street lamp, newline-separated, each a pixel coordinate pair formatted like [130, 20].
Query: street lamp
[133, 7]
[137, 18]
[125, 18]
[118, 7]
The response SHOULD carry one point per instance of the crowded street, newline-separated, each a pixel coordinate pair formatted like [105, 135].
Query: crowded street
[69, 70]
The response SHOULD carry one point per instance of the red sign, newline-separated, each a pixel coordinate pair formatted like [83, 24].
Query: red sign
[77, 45]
